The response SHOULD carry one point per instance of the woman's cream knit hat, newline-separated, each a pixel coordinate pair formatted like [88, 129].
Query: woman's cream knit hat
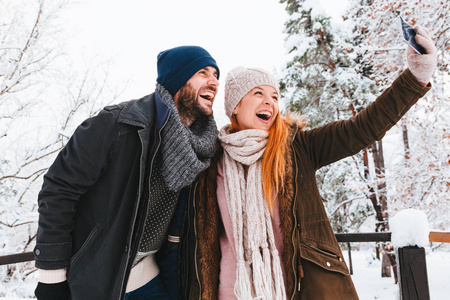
[240, 81]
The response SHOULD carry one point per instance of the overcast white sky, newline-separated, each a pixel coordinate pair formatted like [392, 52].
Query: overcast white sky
[133, 32]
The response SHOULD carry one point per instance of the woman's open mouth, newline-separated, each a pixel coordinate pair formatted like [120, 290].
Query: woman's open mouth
[264, 115]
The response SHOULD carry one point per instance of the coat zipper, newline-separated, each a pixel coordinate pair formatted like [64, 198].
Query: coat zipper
[186, 235]
[196, 244]
[294, 230]
[139, 196]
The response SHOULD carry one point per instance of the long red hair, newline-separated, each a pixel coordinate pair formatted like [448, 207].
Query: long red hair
[273, 167]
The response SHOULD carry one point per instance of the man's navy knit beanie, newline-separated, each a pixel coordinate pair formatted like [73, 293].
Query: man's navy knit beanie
[177, 65]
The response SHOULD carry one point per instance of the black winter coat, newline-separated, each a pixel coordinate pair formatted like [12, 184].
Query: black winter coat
[93, 202]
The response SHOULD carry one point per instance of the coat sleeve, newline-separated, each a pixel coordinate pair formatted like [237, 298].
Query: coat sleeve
[76, 168]
[340, 139]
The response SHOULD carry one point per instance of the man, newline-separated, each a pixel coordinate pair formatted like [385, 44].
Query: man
[108, 201]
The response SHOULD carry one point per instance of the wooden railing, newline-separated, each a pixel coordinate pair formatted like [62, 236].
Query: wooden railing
[411, 262]
[412, 271]
[16, 258]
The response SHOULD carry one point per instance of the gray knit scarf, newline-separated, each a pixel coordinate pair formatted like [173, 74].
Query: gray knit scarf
[185, 151]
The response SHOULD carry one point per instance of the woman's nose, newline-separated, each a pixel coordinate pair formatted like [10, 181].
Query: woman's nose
[268, 100]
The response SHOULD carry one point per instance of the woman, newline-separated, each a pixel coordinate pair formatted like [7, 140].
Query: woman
[266, 173]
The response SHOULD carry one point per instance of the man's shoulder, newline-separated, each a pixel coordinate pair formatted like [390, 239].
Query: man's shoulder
[130, 103]
[135, 110]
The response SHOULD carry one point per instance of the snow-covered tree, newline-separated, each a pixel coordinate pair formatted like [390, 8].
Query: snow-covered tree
[320, 82]
[42, 99]
[418, 174]
[335, 68]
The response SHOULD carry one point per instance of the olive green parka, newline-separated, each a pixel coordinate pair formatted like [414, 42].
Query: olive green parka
[313, 261]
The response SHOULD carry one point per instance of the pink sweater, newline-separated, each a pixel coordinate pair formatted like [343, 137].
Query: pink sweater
[227, 276]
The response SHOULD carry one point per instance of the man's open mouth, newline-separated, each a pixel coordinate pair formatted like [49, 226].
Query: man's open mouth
[207, 95]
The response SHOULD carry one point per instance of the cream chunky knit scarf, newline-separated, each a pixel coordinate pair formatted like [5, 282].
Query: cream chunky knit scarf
[258, 274]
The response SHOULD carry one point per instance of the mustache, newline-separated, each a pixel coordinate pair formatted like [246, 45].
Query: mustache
[209, 88]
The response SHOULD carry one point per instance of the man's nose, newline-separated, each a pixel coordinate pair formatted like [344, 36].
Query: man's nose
[213, 81]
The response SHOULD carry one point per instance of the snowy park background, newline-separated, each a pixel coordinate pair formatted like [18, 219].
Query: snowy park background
[63, 60]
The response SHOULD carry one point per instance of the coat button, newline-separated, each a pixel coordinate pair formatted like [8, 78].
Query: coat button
[126, 248]
[328, 264]
[37, 252]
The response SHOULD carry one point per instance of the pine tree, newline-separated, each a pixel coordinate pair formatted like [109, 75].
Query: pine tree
[321, 83]
[333, 68]
[421, 178]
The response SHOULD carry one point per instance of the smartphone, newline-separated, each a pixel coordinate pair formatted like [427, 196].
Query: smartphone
[408, 34]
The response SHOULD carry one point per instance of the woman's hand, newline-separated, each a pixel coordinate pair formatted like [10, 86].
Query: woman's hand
[422, 65]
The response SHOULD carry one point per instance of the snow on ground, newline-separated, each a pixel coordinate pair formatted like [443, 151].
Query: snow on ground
[366, 276]
[370, 285]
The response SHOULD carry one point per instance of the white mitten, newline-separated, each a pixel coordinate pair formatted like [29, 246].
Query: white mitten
[422, 65]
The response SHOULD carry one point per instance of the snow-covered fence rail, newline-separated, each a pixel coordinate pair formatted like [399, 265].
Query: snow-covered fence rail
[16, 258]
[412, 269]
[434, 236]
[410, 259]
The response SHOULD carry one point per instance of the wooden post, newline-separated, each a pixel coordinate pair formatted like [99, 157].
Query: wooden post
[413, 278]
[385, 266]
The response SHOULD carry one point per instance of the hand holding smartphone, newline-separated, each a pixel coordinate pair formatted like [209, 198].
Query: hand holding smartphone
[408, 34]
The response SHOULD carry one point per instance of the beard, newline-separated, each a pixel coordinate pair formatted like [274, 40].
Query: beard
[189, 107]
